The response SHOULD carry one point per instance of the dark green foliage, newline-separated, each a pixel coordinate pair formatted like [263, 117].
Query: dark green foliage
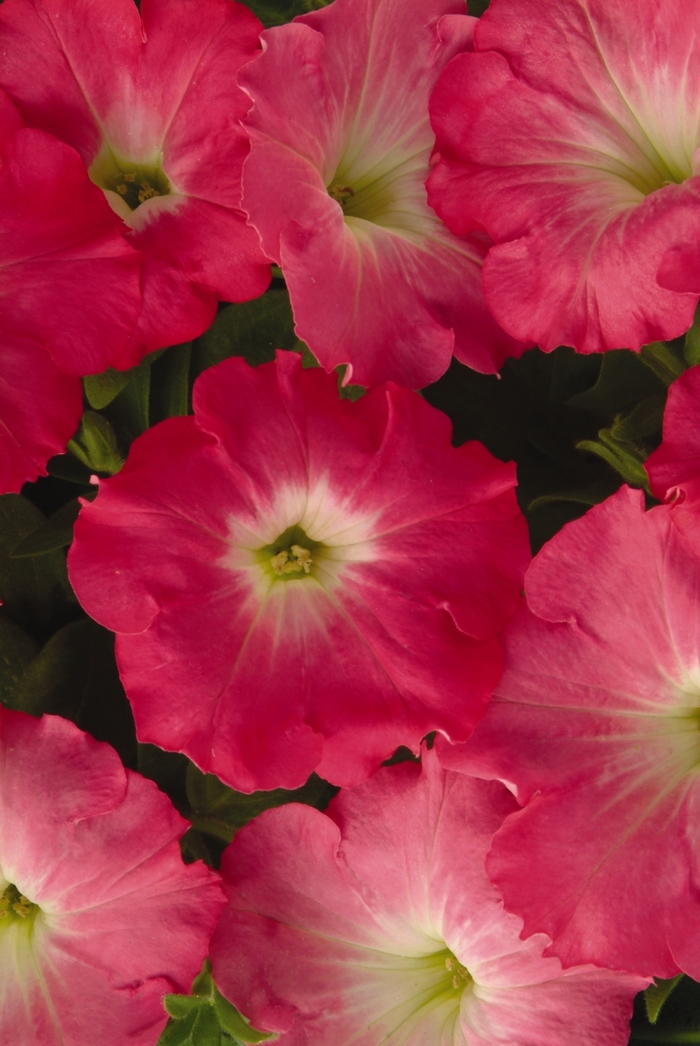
[170, 383]
[74, 675]
[276, 12]
[34, 591]
[576, 426]
[678, 1021]
[220, 811]
[55, 533]
[253, 329]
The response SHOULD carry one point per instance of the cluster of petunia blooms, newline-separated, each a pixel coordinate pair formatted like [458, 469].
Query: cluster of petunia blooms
[303, 583]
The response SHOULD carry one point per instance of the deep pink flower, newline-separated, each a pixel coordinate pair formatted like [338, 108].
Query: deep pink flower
[595, 726]
[376, 924]
[334, 184]
[300, 582]
[151, 105]
[99, 917]
[674, 469]
[69, 294]
[571, 138]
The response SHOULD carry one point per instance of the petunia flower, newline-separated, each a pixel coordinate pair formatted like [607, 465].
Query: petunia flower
[69, 294]
[674, 468]
[334, 184]
[298, 582]
[99, 917]
[375, 924]
[149, 101]
[571, 138]
[594, 726]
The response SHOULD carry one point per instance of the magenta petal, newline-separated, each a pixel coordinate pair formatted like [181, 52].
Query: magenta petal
[674, 468]
[155, 90]
[69, 280]
[40, 408]
[594, 725]
[121, 919]
[391, 635]
[340, 103]
[348, 927]
[194, 256]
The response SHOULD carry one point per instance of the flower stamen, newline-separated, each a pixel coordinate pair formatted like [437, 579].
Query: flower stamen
[134, 182]
[292, 561]
[461, 975]
[341, 193]
[12, 902]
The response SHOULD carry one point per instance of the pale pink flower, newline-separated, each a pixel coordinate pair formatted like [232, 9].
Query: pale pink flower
[571, 137]
[375, 924]
[298, 582]
[149, 101]
[99, 917]
[334, 184]
[594, 726]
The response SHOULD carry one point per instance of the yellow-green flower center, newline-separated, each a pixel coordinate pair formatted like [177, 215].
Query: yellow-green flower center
[370, 197]
[461, 976]
[14, 905]
[291, 556]
[133, 182]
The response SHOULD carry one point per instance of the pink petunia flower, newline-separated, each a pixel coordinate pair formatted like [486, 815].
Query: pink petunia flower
[674, 468]
[69, 294]
[334, 184]
[594, 725]
[571, 137]
[99, 917]
[300, 582]
[376, 923]
[150, 103]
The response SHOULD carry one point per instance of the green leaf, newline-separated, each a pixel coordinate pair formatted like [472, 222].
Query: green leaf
[203, 983]
[220, 811]
[691, 348]
[253, 329]
[180, 1006]
[525, 415]
[348, 392]
[660, 357]
[17, 650]
[233, 1023]
[170, 387]
[308, 360]
[167, 769]
[645, 420]
[623, 382]
[75, 675]
[193, 847]
[621, 456]
[656, 995]
[35, 591]
[56, 532]
[129, 411]
[277, 12]
[199, 1028]
[585, 496]
[68, 468]
[661, 1035]
[95, 444]
[101, 389]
